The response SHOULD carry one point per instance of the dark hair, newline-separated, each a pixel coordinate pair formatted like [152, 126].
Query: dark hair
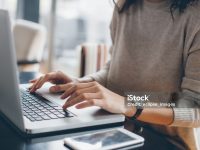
[181, 5]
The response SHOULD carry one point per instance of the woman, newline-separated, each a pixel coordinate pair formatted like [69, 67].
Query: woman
[156, 48]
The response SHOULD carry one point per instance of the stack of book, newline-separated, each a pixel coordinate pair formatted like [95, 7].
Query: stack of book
[92, 58]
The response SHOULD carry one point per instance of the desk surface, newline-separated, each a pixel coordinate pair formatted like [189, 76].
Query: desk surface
[10, 140]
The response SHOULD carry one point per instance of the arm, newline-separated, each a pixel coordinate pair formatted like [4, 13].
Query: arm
[187, 112]
[94, 94]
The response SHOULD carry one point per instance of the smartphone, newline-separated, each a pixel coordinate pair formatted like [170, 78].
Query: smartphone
[104, 140]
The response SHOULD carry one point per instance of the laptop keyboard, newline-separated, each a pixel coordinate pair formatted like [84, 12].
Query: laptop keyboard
[36, 108]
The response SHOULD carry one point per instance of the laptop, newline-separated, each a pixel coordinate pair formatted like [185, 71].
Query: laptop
[38, 113]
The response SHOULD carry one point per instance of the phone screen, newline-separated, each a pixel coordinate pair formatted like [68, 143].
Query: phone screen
[100, 140]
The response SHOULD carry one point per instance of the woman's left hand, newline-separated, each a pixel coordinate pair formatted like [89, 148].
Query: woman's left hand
[93, 94]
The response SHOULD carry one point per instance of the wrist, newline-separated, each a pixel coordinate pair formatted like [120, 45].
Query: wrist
[130, 111]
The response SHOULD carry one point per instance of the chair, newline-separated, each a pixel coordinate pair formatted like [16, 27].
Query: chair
[30, 39]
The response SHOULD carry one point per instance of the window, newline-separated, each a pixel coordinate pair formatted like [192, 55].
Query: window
[77, 22]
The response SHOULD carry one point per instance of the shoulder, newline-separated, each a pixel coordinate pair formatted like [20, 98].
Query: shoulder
[193, 11]
[191, 17]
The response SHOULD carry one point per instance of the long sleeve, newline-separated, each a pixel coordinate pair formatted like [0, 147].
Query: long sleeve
[187, 112]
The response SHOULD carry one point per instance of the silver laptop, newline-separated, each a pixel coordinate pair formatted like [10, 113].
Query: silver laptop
[34, 114]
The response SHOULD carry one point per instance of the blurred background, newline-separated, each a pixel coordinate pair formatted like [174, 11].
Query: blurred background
[67, 24]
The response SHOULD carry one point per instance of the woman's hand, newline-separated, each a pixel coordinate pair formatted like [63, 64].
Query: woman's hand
[83, 94]
[93, 94]
[53, 77]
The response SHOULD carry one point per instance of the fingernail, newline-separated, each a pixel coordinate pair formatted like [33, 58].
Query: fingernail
[55, 88]
[52, 89]
[65, 106]
[62, 97]
[77, 107]
[32, 90]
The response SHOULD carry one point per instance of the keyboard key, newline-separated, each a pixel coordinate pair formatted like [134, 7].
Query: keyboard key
[36, 109]
[61, 116]
[52, 116]
[56, 113]
[45, 117]
[63, 112]
[48, 112]
[58, 108]
[40, 107]
[38, 119]
[29, 111]
[44, 110]
[53, 110]
[41, 113]
[32, 113]
[31, 107]
[30, 118]
[52, 104]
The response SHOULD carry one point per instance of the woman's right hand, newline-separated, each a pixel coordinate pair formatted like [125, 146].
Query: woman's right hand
[53, 77]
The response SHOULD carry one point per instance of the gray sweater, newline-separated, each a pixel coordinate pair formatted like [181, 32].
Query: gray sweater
[151, 52]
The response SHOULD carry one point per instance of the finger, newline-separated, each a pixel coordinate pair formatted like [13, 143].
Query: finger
[45, 78]
[84, 85]
[84, 104]
[85, 96]
[59, 88]
[30, 87]
[41, 82]
[89, 103]
[69, 103]
[33, 81]
[74, 86]
[68, 92]
[73, 90]
[33, 88]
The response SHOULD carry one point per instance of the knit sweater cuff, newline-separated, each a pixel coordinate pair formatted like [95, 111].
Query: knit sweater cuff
[100, 77]
[183, 116]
